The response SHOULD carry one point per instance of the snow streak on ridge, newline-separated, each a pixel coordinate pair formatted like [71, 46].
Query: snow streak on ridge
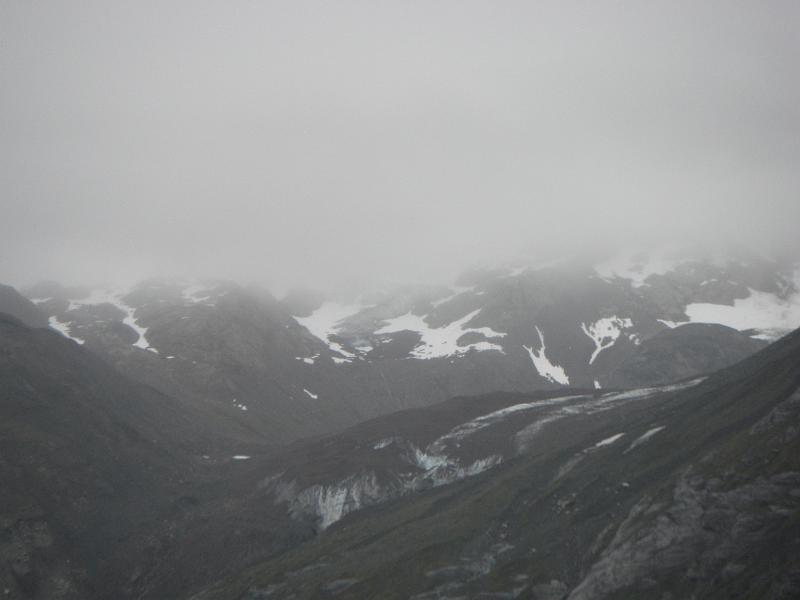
[545, 368]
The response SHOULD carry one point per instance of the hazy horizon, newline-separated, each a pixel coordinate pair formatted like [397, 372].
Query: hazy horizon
[292, 143]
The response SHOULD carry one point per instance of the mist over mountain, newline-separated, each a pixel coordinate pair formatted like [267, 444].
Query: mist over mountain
[401, 300]
[288, 143]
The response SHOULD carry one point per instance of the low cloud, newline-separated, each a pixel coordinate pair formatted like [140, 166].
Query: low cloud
[308, 142]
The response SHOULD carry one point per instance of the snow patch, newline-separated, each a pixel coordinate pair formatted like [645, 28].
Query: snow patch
[644, 437]
[363, 347]
[769, 315]
[114, 298]
[326, 322]
[130, 321]
[384, 443]
[199, 293]
[672, 324]
[63, 329]
[604, 333]
[548, 370]
[438, 342]
[609, 440]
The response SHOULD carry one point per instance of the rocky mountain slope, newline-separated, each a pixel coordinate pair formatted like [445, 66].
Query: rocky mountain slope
[565, 323]
[309, 365]
[15, 304]
[152, 441]
[684, 491]
[96, 469]
[217, 343]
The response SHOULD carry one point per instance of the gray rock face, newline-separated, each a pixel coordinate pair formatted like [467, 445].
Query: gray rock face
[692, 491]
[15, 304]
[706, 532]
[232, 350]
[676, 354]
[99, 474]
[781, 420]
[75, 436]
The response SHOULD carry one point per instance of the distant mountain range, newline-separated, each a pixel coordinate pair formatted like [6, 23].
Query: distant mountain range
[565, 430]
[308, 364]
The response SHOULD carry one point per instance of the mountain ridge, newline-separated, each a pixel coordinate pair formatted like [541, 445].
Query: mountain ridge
[307, 365]
[672, 493]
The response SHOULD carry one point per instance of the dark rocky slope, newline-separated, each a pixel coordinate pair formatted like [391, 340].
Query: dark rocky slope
[675, 354]
[693, 492]
[18, 306]
[96, 470]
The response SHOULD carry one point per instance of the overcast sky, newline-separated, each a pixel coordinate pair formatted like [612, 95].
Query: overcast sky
[294, 141]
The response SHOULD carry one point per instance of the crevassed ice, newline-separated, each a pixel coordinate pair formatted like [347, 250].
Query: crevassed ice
[330, 502]
[427, 460]
[438, 342]
[588, 405]
[440, 469]
[465, 429]
[542, 364]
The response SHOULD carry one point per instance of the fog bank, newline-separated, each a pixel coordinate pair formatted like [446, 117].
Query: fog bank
[310, 142]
